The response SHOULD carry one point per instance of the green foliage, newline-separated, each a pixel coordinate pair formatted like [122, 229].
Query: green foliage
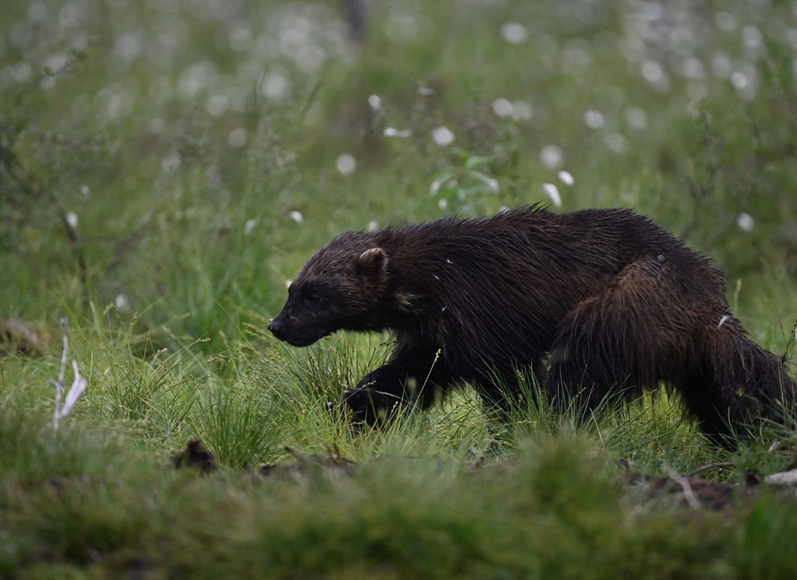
[166, 167]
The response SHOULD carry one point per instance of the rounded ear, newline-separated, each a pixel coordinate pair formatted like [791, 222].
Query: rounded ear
[372, 261]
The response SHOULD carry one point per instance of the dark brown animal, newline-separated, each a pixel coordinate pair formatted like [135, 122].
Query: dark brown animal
[589, 304]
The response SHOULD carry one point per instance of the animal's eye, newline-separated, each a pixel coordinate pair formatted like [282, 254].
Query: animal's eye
[311, 295]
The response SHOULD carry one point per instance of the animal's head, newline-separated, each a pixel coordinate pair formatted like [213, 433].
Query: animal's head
[342, 287]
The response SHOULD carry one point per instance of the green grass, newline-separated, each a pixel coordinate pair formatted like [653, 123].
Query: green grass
[157, 124]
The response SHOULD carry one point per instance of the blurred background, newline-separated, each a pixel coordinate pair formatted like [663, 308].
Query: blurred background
[178, 161]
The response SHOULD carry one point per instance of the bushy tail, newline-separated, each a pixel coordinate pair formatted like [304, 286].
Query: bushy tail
[742, 382]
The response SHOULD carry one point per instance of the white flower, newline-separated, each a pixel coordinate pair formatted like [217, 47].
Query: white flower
[296, 216]
[250, 225]
[553, 192]
[442, 203]
[375, 101]
[121, 302]
[346, 164]
[71, 219]
[442, 136]
[372, 226]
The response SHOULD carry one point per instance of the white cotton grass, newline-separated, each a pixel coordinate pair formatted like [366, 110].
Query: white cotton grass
[653, 72]
[237, 138]
[346, 163]
[275, 86]
[566, 177]
[593, 119]
[616, 143]
[217, 105]
[171, 162]
[249, 227]
[442, 136]
[514, 33]
[71, 219]
[240, 38]
[121, 302]
[438, 183]
[745, 222]
[503, 107]
[552, 156]
[375, 102]
[725, 21]
[636, 118]
[553, 193]
[296, 216]
[399, 133]
[721, 65]
[518, 110]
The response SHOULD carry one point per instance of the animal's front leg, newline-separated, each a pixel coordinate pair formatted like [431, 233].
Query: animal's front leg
[378, 395]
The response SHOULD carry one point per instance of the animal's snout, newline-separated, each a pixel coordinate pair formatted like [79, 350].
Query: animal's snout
[276, 329]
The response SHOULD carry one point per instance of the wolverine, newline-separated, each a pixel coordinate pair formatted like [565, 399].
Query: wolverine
[591, 305]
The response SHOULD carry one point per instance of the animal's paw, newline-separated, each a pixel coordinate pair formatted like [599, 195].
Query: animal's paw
[368, 405]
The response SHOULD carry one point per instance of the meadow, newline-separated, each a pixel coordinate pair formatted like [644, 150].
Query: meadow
[166, 167]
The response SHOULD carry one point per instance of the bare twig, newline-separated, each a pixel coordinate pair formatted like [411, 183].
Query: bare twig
[702, 468]
[79, 383]
[686, 488]
[788, 478]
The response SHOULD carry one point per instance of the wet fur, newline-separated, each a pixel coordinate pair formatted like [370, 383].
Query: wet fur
[590, 303]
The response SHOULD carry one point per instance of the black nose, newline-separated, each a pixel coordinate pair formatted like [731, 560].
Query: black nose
[276, 329]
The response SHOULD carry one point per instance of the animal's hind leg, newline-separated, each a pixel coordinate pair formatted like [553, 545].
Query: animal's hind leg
[735, 381]
[623, 339]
